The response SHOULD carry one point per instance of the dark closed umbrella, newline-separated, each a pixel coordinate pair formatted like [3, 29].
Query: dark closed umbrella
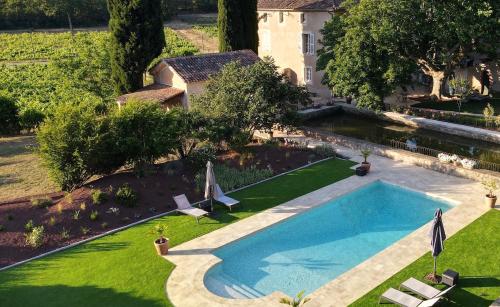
[437, 236]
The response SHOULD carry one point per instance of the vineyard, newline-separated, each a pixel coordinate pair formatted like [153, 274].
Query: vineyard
[211, 30]
[42, 69]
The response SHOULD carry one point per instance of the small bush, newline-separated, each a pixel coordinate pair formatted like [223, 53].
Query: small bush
[35, 237]
[126, 196]
[76, 215]
[239, 140]
[104, 225]
[65, 233]
[42, 202]
[325, 151]
[83, 206]
[9, 115]
[52, 221]
[84, 230]
[94, 215]
[2, 228]
[30, 118]
[29, 226]
[199, 157]
[98, 197]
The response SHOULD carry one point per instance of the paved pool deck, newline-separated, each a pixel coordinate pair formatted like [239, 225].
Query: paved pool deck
[185, 286]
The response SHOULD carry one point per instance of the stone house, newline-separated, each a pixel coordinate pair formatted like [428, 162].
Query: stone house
[176, 79]
[289, 31]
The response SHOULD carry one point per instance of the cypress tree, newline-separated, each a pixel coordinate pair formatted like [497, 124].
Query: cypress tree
[137, 38]
[250, 24]
[230, 25]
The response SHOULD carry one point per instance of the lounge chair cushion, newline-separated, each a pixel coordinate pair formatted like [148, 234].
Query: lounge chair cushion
[221, 197]
[196, 212]
[401, 298]
[182, 202]
[420, 288]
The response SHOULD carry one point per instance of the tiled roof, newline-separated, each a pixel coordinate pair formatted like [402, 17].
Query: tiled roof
[199, 67]
[154, 92]
[299, 5]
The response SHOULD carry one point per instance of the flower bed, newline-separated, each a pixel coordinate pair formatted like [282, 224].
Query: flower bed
[95, 209]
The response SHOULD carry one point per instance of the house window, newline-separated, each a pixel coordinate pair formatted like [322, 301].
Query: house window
[281, 17]
[308, 43]
[308, 74]
[302, 18]
[266, 40]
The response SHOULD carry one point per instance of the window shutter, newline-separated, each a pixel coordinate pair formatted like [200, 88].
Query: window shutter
[311, 43]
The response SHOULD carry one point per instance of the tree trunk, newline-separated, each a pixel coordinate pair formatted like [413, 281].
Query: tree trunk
[438, 79]
[70, 23]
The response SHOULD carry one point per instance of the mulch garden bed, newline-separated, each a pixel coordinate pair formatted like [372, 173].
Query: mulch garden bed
[155, 191]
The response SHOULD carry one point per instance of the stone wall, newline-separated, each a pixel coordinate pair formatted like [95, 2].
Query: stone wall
[424, 161]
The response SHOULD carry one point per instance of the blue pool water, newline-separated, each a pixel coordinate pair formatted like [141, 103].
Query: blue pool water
[310, 249]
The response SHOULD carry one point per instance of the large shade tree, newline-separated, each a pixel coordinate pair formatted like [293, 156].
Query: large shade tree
[237, 24]
[251, 98]
[137, 38]
[386, 38]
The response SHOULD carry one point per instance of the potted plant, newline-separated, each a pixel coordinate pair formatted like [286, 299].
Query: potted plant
[161, 244]
[366, 153]
[490, 198]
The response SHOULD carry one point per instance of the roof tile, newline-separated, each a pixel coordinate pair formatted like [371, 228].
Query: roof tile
[197, 68]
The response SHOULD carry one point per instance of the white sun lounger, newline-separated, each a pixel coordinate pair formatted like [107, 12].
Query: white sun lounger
[183, 206]
[226, 200]
[402, 299]
[423, 289]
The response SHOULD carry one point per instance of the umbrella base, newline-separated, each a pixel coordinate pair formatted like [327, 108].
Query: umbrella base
[433, 278]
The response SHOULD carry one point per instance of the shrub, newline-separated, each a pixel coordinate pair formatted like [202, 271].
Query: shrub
[94, 215]
[325, 151]
[239, 140]
[42, 202]
[143, 133]
[30, 118]
[84, 230]
[231, 178]
[65, 233]
[9, 115]
[98, 197]
[104, 225]
[35, 237]
[126, 196]
[76, 215]
[199, 157]
[76, 143]
[83, 206]
[29, 226]
[52, 221]
[2, 228]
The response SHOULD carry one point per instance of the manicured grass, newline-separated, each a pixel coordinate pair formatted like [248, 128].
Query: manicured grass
[123, 270]
[21, 171]
[473, 252]
[476, 107]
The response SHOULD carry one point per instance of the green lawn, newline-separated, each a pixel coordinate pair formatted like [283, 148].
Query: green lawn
[476, 107]
[123, 270]
[473, 252]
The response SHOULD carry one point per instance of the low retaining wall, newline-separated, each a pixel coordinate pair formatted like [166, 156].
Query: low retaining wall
[425, 123]
[424, 161]
[319, 112]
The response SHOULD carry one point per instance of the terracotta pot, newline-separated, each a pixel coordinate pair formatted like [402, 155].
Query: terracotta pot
[490, 201]
[161, 246]
[366, 165]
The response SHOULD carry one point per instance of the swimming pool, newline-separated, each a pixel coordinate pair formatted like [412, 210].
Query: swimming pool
[310, 249]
